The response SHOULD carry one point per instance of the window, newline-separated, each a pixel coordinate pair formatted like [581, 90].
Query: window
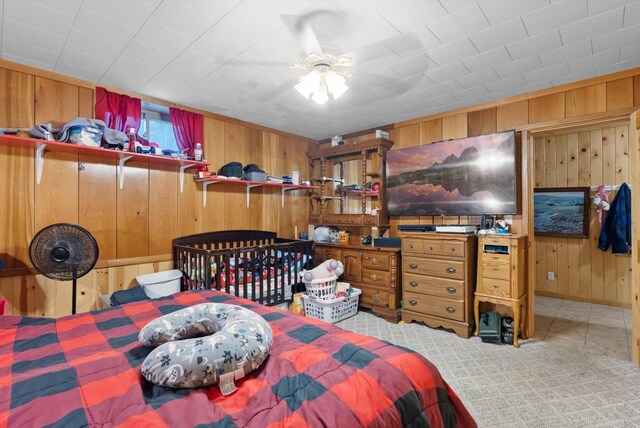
[156, 126]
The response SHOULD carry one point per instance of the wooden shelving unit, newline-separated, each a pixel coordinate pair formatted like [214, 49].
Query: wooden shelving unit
[43, 146]
[213, 179]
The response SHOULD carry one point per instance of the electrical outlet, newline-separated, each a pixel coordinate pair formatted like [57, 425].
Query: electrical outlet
[551, 276]
[508, 219]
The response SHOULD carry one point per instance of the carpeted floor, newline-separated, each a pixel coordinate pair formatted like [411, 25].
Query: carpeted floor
[542, 384]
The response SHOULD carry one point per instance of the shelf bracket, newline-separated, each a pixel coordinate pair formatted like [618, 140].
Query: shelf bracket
[284, 189]
[205, 184]
[182, 169]
[121, 163]
[39, 161]
[249, 187]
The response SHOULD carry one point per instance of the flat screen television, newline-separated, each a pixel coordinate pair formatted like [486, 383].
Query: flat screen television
[466, 176]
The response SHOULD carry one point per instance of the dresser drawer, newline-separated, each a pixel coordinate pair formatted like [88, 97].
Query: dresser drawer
[447, 288]
[410, 245]
[375, 261]
[432, 305]
[376, 277]
[373, 296]
[440, 268]
[496, 270]
[453, 248]
[432, 248]
[495, 287]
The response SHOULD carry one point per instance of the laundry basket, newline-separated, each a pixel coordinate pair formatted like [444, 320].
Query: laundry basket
[332, 310]
[322, 288]
[160, 284]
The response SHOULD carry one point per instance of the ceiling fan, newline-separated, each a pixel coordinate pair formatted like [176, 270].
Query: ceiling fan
[325, 74]
[324, 71]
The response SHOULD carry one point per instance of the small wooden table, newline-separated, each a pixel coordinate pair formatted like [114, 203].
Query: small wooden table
[501, 277]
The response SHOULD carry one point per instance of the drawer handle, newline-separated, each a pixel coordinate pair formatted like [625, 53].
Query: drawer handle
[413, 302]
[413, 265]
[453, 250]
[376, 298]
[430, 248]
[451, 270]
[451, 290]
[413, 283]
[450, 309]
[374, 261]
[374, 277]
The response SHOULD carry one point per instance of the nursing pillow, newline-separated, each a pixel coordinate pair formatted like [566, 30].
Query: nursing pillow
[205, 344]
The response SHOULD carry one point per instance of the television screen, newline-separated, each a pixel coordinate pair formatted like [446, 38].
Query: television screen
[467, 176]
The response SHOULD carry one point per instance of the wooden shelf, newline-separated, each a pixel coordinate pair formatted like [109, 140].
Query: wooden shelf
[213, 179]
[42, 146]
[357, 192]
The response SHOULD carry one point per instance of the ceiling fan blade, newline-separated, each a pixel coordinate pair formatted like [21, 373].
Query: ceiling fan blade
[304, 32]
[394, 45]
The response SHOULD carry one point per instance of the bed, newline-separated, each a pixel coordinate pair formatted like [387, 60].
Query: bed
[84, 370]
[253, 264]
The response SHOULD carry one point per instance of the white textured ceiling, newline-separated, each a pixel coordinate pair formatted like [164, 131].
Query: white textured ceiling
[410, 58]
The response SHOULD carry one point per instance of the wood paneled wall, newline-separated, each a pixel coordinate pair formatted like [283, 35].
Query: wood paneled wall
[591, 101]
[583, 158]
[137, 221]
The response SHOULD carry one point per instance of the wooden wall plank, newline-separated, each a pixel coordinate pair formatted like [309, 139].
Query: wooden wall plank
[561, 161]
[214, 214]
[552, 264]
[546, 108]
[430, 131]
[236, 208]
[55, 102]
[541, 263]
[562, 266]
[550, 159]
[56, 197]
[408, 136]
[636, 92]
[620, 93]
[86, 102]
[622, 155]
[16, 99]
[597, 259]
[133, 212]
[572, 159]
[189, 207]
[17, 217]
[454, 126]
[512, 115]
[539, 168]
[96, 200]
[584, 159]
[481, 122]
[587, 100]
[254, 144]
[163, 209]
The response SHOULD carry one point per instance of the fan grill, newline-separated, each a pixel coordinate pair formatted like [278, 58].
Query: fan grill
[63, 251]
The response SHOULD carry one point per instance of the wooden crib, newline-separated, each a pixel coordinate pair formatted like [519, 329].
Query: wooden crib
[253, 264]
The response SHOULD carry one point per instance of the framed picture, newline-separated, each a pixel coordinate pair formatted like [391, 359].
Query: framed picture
[561, 212]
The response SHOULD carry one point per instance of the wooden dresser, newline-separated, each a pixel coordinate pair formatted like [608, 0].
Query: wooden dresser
[438, 280]
[373, 270]
[501, 277]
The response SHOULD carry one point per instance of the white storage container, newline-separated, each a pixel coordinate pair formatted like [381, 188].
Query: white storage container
[333, 310]
[160, 284]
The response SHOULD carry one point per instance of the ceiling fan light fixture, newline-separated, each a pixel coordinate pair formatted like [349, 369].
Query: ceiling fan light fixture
[319, 82]
[336, 83]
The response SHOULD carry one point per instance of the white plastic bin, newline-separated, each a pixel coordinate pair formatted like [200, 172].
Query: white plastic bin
[160, 284]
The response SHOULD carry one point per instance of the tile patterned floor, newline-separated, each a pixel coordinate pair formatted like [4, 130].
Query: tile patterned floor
[592, 328]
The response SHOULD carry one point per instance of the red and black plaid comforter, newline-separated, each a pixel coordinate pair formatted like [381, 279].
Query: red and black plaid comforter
[84, 370]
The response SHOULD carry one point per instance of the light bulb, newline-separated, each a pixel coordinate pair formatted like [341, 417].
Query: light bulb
[335, 83]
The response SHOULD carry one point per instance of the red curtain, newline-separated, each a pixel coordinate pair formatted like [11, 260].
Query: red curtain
[119, 112]
[188, 128]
